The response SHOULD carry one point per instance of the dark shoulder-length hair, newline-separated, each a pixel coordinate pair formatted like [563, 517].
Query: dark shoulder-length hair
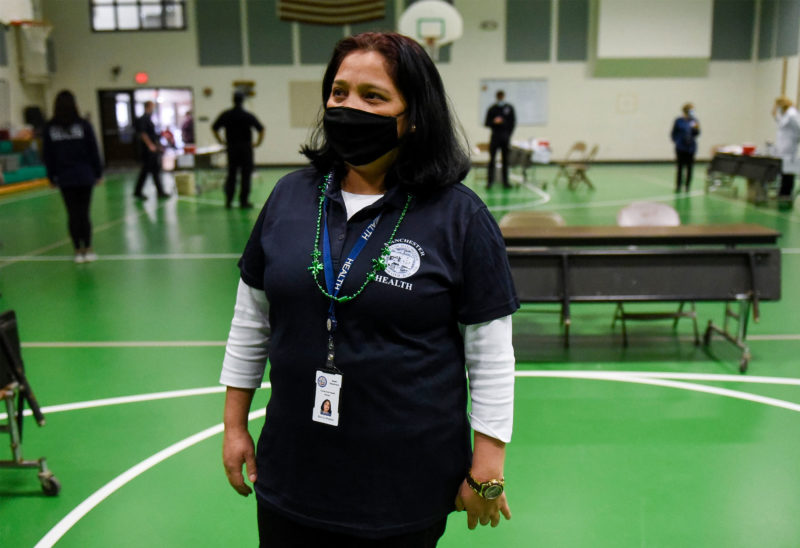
[434, 153]
[65, 109]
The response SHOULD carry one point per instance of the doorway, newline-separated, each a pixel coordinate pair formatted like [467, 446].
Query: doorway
[119, 109]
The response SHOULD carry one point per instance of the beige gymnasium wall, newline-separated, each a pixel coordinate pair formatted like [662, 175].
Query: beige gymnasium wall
[629, 118]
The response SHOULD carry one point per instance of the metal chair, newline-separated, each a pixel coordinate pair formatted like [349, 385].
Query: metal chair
[651, 214]
[577, 171]
[14, 386]
[575, 155]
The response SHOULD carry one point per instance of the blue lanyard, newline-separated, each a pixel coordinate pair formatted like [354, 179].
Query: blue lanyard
[335, 285]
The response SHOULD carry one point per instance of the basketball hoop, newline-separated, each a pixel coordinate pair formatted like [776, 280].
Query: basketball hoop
[432, 47]
[34, 33]
[432, 23]
[32, 43]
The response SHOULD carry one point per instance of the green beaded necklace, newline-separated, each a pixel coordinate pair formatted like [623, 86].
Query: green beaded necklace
[378, 265]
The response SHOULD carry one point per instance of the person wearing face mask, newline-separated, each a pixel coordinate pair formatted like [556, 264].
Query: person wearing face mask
[684, 134]
[786, 141]
[501, 119]
[373, 279]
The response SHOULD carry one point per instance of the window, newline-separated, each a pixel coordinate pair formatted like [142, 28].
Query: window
[124, 15]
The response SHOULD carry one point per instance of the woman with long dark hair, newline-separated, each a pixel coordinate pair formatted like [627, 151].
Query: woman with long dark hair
[73, 165]
[376, 280]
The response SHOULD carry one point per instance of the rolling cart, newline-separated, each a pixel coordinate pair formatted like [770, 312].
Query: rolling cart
[15, 391]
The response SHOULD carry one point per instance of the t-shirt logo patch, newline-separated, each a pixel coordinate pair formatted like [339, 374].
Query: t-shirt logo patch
[403, 260]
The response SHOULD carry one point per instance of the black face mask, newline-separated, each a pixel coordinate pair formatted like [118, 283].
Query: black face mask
[357, 136]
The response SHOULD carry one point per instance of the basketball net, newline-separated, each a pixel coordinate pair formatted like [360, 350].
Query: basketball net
[34, 35]
[432, 47]
[32, 43]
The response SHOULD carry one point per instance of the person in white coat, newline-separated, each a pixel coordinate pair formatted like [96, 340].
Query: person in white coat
[786, 141]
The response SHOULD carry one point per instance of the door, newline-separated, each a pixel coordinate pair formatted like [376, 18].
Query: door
[116, 122]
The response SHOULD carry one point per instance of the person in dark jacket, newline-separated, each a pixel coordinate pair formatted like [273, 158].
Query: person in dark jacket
[684, 134]
[501, 119]
[238, 125]
[73, 165]
[150, 150]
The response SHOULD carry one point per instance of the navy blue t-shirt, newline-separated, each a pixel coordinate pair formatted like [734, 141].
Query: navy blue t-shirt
[395, 462]
[238, 124]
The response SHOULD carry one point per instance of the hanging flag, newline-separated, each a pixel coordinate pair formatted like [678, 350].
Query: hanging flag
[331, 12]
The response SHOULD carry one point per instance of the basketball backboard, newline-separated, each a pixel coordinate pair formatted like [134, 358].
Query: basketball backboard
[432, 23]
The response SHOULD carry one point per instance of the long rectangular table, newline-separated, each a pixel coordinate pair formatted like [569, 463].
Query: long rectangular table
[760, 172]
[643, 264]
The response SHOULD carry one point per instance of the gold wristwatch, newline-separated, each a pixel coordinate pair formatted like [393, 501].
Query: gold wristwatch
[489, 490]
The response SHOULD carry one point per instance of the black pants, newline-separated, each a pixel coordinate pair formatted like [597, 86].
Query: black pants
[685, 162]
[275, 531]
[77, 199]
[494, 146]
[787, 185]
[240, 158]
[151, 165]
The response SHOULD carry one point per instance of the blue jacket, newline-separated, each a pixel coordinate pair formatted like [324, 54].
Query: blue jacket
[684, 134]
[70, 154]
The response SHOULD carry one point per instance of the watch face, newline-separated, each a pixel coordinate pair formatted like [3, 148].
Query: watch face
[493, 491]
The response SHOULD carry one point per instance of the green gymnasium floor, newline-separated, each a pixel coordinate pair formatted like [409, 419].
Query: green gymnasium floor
[661, 444]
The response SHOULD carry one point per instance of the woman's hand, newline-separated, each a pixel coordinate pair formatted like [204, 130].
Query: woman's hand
[237, 450]
[480, 510]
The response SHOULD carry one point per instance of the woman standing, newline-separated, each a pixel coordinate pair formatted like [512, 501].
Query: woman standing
[73, 165]
[684, 134]
[376, 279]
[786, 142]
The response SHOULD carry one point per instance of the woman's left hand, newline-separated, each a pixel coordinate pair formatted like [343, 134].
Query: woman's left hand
[480, 510]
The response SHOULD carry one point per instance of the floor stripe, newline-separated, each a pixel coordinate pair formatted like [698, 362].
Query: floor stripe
[122, 344]
[4, 262]
[708, 377]
[58, 531]
[63, 526]
[636, 379]
[133, 257]
[27, 196]
[137, 398]
[773, 337]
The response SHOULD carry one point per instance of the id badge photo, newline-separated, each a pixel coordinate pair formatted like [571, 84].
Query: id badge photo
[326, 398]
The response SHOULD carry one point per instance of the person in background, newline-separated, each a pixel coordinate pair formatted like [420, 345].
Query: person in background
[786, 141]
[187, 129]
[238, 124]
[377, 271]
[501, 119]
[684, 134]
[72, 160]
[149, 152]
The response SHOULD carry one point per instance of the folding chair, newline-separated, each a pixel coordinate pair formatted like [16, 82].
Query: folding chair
[14, 385]
[577, 171]
[651, 214]
[575, 154]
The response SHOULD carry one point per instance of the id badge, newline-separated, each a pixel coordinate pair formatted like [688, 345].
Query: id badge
[326, 399]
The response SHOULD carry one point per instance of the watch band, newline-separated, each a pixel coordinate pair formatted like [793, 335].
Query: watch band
[489, 490]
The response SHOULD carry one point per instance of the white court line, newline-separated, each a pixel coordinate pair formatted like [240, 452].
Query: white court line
[625, 377]
[58, 531]
[132, 257]
[99, 228]
[710, 377]
[27, 196]
[61, 528]
[136, 398]
[790, 250]
[120, 344]
[201, 200]
[773, 337]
